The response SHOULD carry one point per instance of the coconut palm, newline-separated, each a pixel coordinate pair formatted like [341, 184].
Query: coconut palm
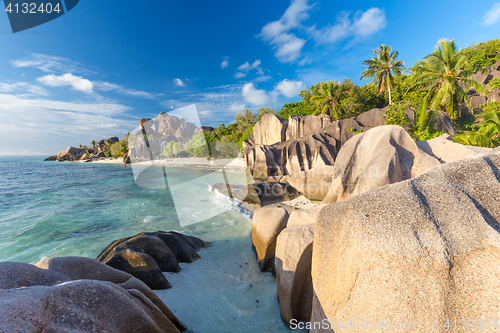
[443, 73]
[93, 143]
[328, 98]
[383, 68]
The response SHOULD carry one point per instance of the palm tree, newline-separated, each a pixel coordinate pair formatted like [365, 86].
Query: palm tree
[328, 99]
[488, 134]
[93, 143]
[382, 68]
[443, 73]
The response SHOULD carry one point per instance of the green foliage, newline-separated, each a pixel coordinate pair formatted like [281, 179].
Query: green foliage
[487, 134]
[302, 108]
[495, 83]
[482, 55]
[427, 135]
[383, 68]
[444, 74]
[491, 107]
[197, 146]
[106, 153]
[172, 149]
[396, 115]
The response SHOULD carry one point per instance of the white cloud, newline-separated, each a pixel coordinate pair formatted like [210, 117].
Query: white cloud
[47, 126]
[363, 24]
[224, 64]
[108, 86]
[492, 16]
[75, 82]
[305, 61]
[369, 22]
[289, 45]
[179, 83]
[49, 63]
[255, 96]
[237, 107]
[25, 87]
[289, 88]
[263, 78]
[239, 75]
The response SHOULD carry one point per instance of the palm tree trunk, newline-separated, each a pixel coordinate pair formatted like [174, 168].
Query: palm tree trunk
[390, 96]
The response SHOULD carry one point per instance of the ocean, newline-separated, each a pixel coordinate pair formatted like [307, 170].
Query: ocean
[50, 209]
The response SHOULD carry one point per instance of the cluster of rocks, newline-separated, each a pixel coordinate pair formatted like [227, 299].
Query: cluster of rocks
[154, 134]
[402, 224]
[73, 294]
[72, 154]
[147, 255]
[484, 77]
[110, 294]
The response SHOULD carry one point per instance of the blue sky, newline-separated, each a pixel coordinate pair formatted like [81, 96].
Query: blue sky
[94, 72]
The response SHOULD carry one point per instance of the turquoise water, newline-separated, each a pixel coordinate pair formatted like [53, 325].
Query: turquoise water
[50, 209]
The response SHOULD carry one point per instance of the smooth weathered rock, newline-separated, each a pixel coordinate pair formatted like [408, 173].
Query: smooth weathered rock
[446, 150]
[166, 124]
[372, 118]
[268, 130]
[293, 272]
[342, 130]
[266, 193]
[68, 154]
[478, 101]
[146, 123]
[315, 183]
[73, 294]
[289, 157]
[147, 255]
[381, 156]
[494, 96]
[497, 65]
[423, 250]
[267, 223]
[480, 77]
[301, 126]
[185, 131]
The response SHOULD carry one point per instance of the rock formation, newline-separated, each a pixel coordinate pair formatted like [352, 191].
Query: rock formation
[315, 183]
[260, 194]
[147, 255]
[73, 294]
[300, 126]
[422, 250]
[267, 223]
[269, 130]
[378, 157]
[68, 154]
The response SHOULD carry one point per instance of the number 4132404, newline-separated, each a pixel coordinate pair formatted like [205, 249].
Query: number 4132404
[32, 8]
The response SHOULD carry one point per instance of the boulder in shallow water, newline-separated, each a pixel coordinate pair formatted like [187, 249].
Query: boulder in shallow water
[147, 255]
[422, 250]
[73, 294]
[265, 193]
[267, 223]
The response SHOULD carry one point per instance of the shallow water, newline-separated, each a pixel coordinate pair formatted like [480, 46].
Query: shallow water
[52, 209]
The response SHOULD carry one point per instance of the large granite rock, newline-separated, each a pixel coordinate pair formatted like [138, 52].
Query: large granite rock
[185, 131]
[166, 124]
[444, 149]
[315, 183]
[267, 223]
[268, 130]
[293, 256]
[293, 272]
[68, 154]
[289, 157]
[145, 150]
[494, 96]
[372, 118]
[74, 294]
[147, 255]
[300, 126]
[422, 250]
[260, 194]
[381, 156]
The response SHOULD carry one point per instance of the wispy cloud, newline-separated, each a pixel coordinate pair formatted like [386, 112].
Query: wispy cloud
[77, 83]
[108, 86]
[178, 82]
[245, 68]
[224, 63]
[28, 88]
[492, 16]
[289, 34]
[48, 63]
